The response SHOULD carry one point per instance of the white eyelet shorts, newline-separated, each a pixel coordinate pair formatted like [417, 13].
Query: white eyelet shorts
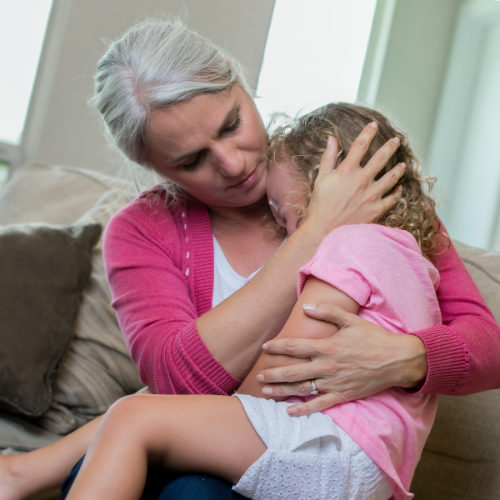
[307, 457]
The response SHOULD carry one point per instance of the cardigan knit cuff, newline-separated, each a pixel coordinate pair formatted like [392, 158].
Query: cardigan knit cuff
[447, 359]
[215, 379]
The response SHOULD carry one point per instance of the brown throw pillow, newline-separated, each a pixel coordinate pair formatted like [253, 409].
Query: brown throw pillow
[43, 270]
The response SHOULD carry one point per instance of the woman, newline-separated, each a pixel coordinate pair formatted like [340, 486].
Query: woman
[367, 448]
[175, 103]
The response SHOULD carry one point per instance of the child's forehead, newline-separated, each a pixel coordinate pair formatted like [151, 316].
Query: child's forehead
[283, 162]
[281, 169]
[282, 178]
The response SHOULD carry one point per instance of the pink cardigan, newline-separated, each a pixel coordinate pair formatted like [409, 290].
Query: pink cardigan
[159, 264]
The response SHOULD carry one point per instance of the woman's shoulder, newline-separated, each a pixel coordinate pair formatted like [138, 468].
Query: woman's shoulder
[151, 204]
[153, 216]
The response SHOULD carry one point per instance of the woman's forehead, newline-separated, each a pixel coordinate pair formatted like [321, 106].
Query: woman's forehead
[187, 127]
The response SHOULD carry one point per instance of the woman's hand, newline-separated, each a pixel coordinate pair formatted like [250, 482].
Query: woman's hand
[349, 194]
[360, 360]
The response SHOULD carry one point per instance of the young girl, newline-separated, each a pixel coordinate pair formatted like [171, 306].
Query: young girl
[358, 450]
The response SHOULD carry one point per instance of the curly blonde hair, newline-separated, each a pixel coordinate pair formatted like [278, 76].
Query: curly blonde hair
[304, 142]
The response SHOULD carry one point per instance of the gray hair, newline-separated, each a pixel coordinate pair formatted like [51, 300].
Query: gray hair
[156, 64]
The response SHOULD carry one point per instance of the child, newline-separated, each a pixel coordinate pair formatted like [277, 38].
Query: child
[362, 449]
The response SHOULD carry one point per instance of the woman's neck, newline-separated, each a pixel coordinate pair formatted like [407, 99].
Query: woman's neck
[244, 235]
[239, 218]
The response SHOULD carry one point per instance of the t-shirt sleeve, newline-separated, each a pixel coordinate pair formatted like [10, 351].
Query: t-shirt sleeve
[383, 270]
[334, 265]
[155, 310]
[362, 260]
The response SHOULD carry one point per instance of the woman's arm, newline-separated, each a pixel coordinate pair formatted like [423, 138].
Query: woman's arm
[459, 357]
[463, 354]
[299, 325]
[178, 344]
[235, 330]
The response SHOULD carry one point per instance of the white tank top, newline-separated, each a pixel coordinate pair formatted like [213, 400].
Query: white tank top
[226, 279]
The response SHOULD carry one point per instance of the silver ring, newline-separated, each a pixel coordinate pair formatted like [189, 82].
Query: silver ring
[314, 391]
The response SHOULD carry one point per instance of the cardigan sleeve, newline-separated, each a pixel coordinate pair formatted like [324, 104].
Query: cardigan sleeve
[152, 297]
[463, 353]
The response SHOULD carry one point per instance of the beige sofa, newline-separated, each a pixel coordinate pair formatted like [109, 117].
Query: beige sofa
[461, 459]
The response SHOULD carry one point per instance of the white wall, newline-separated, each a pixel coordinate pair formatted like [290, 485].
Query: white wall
[465, 152]
[416, 46]
[62, 129]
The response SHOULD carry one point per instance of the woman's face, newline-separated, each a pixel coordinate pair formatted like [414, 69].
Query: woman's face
[286, 196]
[213, 146]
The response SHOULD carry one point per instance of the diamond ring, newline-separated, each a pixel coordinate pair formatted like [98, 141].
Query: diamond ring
[314, 391]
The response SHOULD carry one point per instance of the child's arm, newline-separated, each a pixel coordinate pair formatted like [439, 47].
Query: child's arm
[300, 326]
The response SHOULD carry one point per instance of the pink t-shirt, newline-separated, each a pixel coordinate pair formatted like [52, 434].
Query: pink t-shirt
[384, 271]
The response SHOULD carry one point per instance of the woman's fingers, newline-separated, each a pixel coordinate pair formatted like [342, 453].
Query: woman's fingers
[360, 145]
[380, 159]
[329, 158]
[298, 348]
[331, 314]
[317, 404]
[389, 180]
[289, 374]
[391, 199]
[302, 388]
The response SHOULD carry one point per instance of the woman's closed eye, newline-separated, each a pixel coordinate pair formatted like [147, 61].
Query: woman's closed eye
[191, 165]
[232, 127]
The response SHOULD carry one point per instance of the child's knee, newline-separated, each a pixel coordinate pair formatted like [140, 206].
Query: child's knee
[127, 412]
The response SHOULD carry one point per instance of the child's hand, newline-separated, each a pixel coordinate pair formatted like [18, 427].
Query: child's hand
[359, 360]
[349, 193]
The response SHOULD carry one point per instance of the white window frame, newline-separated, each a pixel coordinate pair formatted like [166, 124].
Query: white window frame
[42, 89]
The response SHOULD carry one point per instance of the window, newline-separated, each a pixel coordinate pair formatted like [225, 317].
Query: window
[314, 54]
[21, 40]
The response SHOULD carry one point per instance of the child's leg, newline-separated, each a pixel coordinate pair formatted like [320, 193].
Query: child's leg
[209, 434]
[24, 475]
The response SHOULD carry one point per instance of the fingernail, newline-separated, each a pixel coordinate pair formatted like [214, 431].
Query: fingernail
[309, 307]
[400, 188]
[265, 346]
[330, 140]
[291, 410]
[260, 377]
[267, 390]
[397, 140]
[374, 124]
[403, 165]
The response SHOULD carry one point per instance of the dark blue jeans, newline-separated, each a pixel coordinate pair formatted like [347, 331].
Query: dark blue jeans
[164, 485]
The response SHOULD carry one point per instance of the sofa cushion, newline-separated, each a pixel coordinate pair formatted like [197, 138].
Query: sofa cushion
[38, 192]
[484, 267]
[461, 459]
[97, 369]
[43, 270]
[17, 434]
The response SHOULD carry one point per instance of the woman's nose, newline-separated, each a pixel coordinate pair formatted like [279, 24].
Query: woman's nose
[230, 162]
